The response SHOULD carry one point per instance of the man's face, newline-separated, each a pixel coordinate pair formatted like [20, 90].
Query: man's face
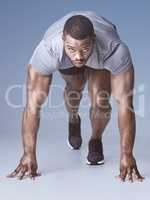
[78, 51]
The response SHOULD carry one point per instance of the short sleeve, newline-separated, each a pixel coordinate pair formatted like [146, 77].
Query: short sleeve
[43, 60]
[120, 60]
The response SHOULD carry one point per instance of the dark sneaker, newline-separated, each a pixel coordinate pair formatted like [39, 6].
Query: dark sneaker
[95, 155]
[74, 138]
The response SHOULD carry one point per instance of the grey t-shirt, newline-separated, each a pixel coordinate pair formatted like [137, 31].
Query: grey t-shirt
[109, 51]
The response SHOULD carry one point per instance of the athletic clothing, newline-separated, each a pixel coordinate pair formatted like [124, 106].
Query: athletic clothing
[109, 51]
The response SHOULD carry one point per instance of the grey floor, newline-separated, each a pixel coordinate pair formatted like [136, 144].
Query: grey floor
[65, 174]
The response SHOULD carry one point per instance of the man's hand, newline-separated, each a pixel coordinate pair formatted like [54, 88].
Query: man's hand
[128, 169]
[26, 168]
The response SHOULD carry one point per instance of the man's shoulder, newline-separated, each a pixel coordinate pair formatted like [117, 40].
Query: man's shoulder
[54, 45]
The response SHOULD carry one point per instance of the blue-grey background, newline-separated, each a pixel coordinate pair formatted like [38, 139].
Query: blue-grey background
[22, 25]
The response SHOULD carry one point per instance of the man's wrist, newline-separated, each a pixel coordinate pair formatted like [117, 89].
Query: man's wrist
[124, 153]
[30, 153]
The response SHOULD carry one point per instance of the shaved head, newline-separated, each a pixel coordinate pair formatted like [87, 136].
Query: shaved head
[79, 27]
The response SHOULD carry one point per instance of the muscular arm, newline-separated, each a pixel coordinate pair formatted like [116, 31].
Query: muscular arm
[122, 90]
[37, 91]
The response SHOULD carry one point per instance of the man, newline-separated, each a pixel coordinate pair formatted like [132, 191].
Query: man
[83, 47]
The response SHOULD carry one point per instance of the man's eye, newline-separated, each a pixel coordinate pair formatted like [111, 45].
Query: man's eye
[70, 49]
[85, 50]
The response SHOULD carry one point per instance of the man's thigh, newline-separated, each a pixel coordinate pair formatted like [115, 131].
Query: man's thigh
[99, 85]
[75, 78]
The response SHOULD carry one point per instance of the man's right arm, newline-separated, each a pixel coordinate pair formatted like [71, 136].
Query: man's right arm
[37, 91]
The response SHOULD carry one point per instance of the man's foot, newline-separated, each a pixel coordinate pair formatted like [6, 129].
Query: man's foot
[95, 155]
[74, 138]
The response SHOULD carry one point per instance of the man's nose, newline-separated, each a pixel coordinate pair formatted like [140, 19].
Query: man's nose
[78, 56]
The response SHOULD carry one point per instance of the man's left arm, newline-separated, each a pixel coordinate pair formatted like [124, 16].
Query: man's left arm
[122, 89]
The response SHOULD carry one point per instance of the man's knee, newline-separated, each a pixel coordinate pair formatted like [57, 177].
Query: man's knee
[100, 111]
[124, 101]
[72, 96]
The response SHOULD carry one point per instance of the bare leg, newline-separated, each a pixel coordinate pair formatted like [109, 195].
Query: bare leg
[100, 111]
[99, 91]
[75, 81]
[37, 91]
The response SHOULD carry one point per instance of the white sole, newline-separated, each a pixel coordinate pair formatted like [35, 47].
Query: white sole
[70, 147]
[98, 163]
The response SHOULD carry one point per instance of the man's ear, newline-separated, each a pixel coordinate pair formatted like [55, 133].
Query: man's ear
[63, 37]
[94, 36]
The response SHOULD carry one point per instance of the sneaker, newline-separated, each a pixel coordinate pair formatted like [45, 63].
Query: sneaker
[95, 155]
[74, 138]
